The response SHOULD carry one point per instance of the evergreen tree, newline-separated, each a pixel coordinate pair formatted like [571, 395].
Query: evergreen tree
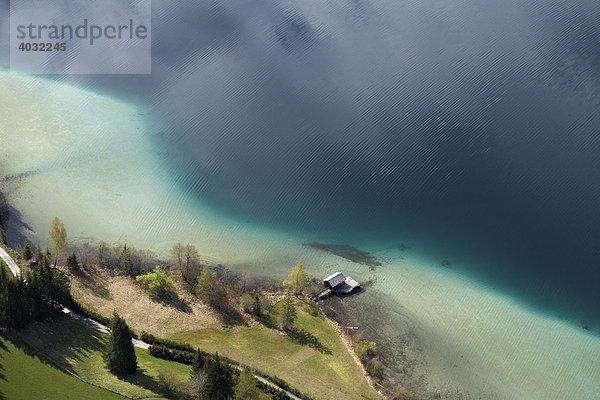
[197, 362]
[2, 236]
[27, 252]
[40, 294]
[72, 263]
[13, 311]
[4, 293]
[219, 378]
[288, 313]
[125, 260]
[119, 354]
[256, 307]
[39, 255]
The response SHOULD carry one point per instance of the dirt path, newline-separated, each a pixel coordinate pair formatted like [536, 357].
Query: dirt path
[14, 268]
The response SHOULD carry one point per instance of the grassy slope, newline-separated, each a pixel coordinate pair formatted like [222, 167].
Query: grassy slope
[77, 349]
[26, 377]
[319, 375]
[99, 290]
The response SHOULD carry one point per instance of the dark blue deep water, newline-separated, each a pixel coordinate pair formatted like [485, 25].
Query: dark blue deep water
[465, 128]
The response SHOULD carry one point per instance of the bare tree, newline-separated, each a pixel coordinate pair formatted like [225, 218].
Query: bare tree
[178, 255]
[58, 236]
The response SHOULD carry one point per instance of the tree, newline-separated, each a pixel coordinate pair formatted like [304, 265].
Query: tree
[2, 236]
[177, 255]
[27, 253]
[297, 279]
[206, 282]
[219, 378]
[47, 290]
[102, 251]
[256, 307]
[72, 263]
[246, 388]
[58, 236]
[125, 259]
[197, 362]
[10, 311]
[4, 210]
[39, 256]
[157, 283]
[191, 260]
[186, 259]
[119, 354]
[288, 313]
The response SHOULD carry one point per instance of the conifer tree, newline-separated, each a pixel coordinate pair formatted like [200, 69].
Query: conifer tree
[125, 259]
[39, 255]
[72, 263]
[2, 236]
[288, 313]
[27, 253]
[119, 354]
[219, 378]
[197, 362]
[256, 307]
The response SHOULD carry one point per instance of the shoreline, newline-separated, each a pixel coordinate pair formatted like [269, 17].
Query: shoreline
[102, 177]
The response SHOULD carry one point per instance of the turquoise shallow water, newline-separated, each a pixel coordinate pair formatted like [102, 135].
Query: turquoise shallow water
[92, 161]
[463, 130]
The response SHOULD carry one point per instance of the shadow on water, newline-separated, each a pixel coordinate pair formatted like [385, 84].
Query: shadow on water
[349, 253]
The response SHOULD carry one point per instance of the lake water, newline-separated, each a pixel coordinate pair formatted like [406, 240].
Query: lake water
[462, 131]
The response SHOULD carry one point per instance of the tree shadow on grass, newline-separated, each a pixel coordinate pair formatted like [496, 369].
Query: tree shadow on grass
[61, 343]
[303, 337]
[64, 342]
[175, 302]
[142, 379]
[94, 284]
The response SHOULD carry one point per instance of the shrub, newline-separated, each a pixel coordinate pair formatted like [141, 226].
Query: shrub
[374, 368]
[150, 338]
[163, 352]
[170, 382]
[365, 350]
[76, 306]
[157, 283]
[246, 387]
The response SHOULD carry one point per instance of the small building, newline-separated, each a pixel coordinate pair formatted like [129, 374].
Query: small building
[338, 283]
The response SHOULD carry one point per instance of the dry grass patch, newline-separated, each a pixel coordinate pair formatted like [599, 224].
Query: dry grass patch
[102, 291]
